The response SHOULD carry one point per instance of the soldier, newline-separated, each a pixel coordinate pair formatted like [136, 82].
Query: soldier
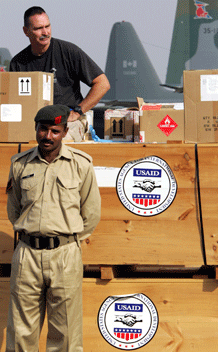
[53, 203]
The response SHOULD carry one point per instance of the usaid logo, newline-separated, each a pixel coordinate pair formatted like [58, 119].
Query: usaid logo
[129, 307]
[147, 172]
[146, 187]
[128, 322]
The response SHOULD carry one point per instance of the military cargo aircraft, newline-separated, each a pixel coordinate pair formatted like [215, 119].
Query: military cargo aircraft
[194, 46]
[130, 71]
[194, 43]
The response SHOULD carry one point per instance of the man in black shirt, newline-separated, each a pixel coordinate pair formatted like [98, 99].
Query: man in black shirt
[68, 62]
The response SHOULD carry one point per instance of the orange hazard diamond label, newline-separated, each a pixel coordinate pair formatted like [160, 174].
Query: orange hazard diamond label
[167, 125]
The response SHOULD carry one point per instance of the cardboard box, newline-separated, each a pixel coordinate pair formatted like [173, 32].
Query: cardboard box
[161, 123]
[201, 106]
[22, 94]
[119, 124]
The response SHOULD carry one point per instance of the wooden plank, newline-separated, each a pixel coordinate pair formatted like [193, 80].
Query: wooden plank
[6, 152]
[4, 302]
[208, 165]
[184, 206]
[116, 154]
[133, 242]
[187, 310]
[211, 240]
[208, 170]
[130, 242]
[6, 241]
[179, 157]
[130, 233]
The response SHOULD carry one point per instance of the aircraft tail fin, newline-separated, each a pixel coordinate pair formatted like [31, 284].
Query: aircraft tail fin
[130, 71]
[194, 43]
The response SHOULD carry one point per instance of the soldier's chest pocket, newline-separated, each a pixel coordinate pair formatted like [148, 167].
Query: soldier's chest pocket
[68, 190]
[30, 189]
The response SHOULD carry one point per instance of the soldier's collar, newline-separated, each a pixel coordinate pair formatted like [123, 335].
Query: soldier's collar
[33, 155]
[64, 152]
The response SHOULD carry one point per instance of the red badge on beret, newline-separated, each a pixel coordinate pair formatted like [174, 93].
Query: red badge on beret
[57, 120]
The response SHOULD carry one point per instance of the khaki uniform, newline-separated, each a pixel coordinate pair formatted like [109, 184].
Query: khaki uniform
[60, 198]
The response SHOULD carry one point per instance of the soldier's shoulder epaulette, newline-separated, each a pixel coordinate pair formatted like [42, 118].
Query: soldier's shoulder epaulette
[21, 155]
[82, 154]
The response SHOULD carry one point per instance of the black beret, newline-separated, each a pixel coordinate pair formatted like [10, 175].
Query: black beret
[53, 114]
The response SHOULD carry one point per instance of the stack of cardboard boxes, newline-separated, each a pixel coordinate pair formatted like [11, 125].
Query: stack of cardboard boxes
[22, 94]
[149, 124]
[195, 121]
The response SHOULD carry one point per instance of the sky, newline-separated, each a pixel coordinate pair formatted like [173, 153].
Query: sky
[88, 23]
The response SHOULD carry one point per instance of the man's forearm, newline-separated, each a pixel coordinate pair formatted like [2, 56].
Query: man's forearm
[100, 86]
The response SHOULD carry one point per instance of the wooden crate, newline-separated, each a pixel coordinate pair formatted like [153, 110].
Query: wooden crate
[170, 238]
[187, 310]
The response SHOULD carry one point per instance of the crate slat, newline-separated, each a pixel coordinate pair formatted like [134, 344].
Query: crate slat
[187, 310]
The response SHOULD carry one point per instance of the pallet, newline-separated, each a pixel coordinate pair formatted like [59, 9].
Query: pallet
[170, 238]
[187, 311]
[161, 256]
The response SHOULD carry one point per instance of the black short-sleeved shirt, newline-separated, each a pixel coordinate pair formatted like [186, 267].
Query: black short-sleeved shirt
[69, 64]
